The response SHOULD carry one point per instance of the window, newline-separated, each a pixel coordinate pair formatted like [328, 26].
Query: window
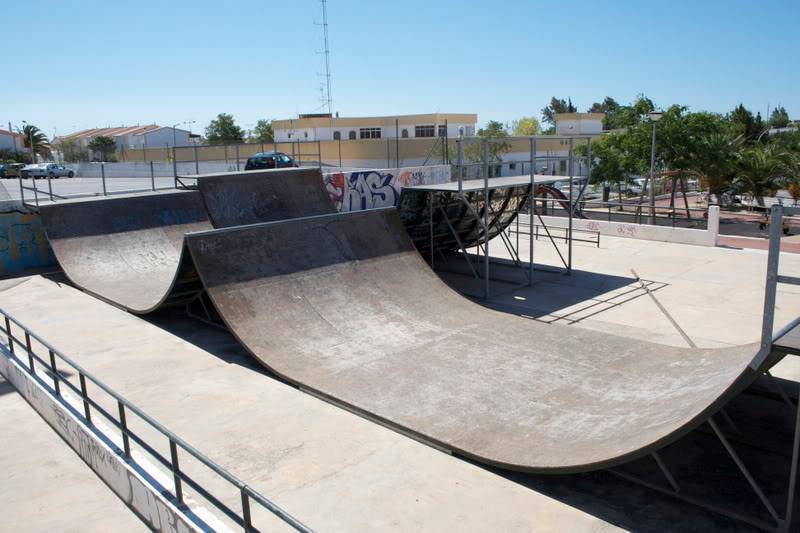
[305, 134]
[337, 136]
[351, 135]
[562, 167]
[404, 134]
[369, 133]
[442, 130]
[423, 131]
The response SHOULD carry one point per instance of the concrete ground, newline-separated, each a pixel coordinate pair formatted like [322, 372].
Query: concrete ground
[9, 188]
[44, 485]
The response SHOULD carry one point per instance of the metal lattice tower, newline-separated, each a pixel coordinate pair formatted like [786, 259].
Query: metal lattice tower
[328, 100]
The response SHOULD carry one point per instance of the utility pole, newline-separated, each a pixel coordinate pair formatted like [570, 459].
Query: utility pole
[329, 100]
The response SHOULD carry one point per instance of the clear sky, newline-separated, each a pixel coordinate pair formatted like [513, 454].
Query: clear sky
[97, 63]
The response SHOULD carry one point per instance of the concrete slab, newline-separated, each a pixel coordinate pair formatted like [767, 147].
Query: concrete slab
[44, 485]
[332, 469]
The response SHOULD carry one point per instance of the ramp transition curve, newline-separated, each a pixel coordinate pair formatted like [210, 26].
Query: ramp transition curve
[364, 321]
[129, 250]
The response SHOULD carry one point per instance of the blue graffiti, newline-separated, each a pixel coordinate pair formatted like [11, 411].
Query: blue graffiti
[368, 190]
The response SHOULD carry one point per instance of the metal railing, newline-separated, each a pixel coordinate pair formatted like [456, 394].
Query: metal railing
[593, 236]
[91, 407]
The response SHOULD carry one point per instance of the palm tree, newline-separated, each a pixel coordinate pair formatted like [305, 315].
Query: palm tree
[759, 169]
[41, 145]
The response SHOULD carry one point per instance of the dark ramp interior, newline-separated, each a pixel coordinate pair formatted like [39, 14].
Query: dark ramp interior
[238, 198]
[128, 249]
[345, 306]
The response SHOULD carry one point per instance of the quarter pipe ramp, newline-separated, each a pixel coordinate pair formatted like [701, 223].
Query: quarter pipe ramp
[363, 320]
[127, 250]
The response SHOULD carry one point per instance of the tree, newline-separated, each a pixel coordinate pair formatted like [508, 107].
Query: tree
[41, 146]
[557, 106]
[760, 168]
[779, 118]
[262, 133]
[103, 145]
[72, 151]
[745, 123]
[223, 130]
[525, 126]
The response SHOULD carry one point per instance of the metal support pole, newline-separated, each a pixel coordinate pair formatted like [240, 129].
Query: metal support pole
[103, 177]
[10, 336]
[486, 218]
[123, 426]
[238, 168]
[430, 223]
[85, 395]
[196, 160]
[30, 351]
[396, 143]
[152, 176]
[49, 187]
[775, 219]
[651, 219]
[319, 154]
[246, 518]
[530, 211]
[176, 471]
[174, 167]
[54, 370]
[21, 189]
[459, 164]
[571, 200]
[793, 471]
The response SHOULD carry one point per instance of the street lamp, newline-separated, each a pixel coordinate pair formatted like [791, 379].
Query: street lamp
[174, 136]
[655, 116]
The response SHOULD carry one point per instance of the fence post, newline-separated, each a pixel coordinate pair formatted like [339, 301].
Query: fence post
[152, 176]
[123, 426]
[237, 159]
[54, 370]
[196, 162]
[21, 189]
[85, 395]
[49, 187]
[10, 336]
[174, 167]
[176, 471]
[103, 177]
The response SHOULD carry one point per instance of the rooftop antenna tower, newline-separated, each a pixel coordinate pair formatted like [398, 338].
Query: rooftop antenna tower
[328, 100]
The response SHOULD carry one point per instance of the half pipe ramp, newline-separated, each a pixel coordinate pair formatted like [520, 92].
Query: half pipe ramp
[364, 321]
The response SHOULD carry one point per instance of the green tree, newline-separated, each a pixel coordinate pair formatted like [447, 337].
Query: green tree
[104, 146]
[41, 145]
[779, 118]
[223, 130]
[262, 133]
[745, 123]
[525, 126]
[557, 105]
[759, 169]
[72, 151]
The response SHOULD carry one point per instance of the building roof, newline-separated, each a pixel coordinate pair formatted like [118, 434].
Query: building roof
[306, 121]
[580, 116]
[152, 130]
[108, 132]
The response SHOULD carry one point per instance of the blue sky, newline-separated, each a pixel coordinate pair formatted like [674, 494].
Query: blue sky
[90, 63]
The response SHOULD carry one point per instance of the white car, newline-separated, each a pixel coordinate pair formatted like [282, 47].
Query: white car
[44, 170]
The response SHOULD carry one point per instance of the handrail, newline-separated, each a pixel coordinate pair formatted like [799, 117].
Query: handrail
[247, 492]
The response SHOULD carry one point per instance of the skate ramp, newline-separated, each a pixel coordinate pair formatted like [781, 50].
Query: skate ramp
[127, 250]
[344, 306]
[239, 198]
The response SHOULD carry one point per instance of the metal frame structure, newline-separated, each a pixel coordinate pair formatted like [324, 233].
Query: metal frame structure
[484, 208]
[769, 338]
[91, 407]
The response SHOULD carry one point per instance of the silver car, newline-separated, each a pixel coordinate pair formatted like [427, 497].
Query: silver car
[44, 170]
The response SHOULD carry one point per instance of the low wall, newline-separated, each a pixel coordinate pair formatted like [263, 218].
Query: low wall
[142, 169]
[356, 190]
[23, 243]
[149, 504]
[700, 237]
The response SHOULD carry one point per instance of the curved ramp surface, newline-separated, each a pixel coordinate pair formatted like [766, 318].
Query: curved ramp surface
[128, 250]
[345, 306]
[239, 198]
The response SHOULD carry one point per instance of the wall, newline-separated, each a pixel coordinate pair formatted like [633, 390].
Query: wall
[23, 244]
[367, 189]
[698, 237]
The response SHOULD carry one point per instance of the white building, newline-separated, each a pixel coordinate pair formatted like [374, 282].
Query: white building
[159, 137]
[324, 127]
[12, 141]
[127, 137]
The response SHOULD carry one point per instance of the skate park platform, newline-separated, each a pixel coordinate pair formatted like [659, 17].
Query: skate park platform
[255, 277]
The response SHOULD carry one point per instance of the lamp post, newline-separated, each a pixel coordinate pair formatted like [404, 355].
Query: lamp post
[174, 136]
[655, 116]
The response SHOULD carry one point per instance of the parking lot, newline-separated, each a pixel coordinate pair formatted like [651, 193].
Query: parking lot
[69, 187]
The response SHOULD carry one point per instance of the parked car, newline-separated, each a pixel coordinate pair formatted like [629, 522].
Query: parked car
[263, 160]
[44, 170]
[11, 170]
